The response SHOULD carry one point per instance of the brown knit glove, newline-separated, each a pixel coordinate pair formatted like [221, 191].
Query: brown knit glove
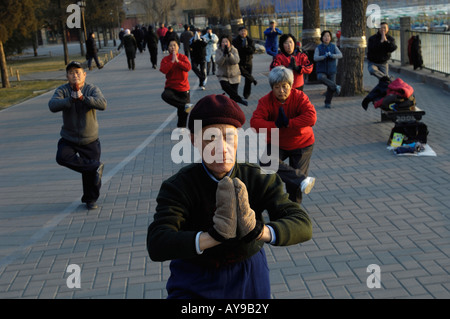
[247, 226]
[225, 215]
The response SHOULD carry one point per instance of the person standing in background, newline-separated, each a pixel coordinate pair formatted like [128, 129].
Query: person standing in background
[198, 57]
[228, 71]
[161, 32]
[293, 58]
[379, 50]
[152, 44]
[211, 40]
[326, 55]
[271, 34]
[176, 66]
[130, 44]
[185, 38]
[246, 48]
[91, 51]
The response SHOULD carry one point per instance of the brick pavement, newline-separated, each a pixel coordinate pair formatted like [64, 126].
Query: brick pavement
[368, 206]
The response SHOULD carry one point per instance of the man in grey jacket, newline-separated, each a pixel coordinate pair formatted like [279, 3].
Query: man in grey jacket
[79, 146]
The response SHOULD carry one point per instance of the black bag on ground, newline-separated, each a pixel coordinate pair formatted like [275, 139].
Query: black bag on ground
[413, 132]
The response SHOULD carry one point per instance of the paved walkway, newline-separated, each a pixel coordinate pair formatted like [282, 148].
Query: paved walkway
[368, 206]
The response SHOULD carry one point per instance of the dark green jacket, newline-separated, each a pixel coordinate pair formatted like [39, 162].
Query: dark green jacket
[186, 205]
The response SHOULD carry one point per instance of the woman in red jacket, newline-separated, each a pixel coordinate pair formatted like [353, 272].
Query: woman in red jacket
[293, 114]
[294, 59]
[177, 90]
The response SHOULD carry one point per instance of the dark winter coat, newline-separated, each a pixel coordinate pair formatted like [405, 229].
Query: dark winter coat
[91, 47]
[380, 52]
[246, 50]
[130, 44]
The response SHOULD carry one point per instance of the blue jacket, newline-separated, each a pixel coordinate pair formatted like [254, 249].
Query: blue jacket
[271, 44]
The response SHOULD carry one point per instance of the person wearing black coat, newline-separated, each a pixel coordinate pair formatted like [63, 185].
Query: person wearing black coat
[152, 43]
[171, 35]
[198, 57]
[91, 51]
[379, 50]
[246, 48]
[130, 44]
[139, 36]
[415, 57]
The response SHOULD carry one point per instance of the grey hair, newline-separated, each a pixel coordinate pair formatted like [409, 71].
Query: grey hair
[281, 74]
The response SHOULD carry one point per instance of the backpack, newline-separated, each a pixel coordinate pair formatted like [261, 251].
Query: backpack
[412, 132]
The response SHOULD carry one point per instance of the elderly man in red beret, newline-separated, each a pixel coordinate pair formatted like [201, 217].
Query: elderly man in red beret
[208, 218]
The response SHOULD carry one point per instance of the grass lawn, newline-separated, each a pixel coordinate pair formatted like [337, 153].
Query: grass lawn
[41, 64]
[23, 90]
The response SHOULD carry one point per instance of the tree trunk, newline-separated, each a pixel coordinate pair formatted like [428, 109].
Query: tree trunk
[3, 67]
[311, 32]
[353, 43]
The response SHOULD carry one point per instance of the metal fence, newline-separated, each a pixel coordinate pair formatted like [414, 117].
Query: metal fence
[435, 48]
[435, 45]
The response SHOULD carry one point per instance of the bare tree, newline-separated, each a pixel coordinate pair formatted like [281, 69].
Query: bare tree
[225, 11]
[15, 15]
[157, 10]
[353, 43]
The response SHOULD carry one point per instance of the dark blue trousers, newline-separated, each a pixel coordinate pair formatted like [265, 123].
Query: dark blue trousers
[295, 172]
[84, 159]
[248, 279]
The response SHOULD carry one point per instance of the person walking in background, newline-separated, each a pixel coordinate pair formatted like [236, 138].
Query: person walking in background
[246, 48]
[121, 34]
[211, 40]
[130, 44]
[170, 34]
[271, 34]
[294, 115]
[139, 36]
[92, 51]
[185, 38]
[198, 57]
[326, 55]
[379, 49]
[161, 32]
[177, 89]
[228, 72]
[293, 58]
[79, 147]
[152, 44]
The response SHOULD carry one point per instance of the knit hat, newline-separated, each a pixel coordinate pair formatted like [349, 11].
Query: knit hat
[216, 109]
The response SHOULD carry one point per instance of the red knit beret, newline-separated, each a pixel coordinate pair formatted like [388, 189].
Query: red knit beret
[216, 109]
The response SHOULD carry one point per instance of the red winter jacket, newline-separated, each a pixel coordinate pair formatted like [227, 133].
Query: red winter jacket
[302, 116]
[399, 88]
[176, 73]
[300, 59]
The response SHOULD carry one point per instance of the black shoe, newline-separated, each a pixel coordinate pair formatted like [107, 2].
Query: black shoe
[365, 103]
[255, 82]
[98, 177]
[91, 205]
